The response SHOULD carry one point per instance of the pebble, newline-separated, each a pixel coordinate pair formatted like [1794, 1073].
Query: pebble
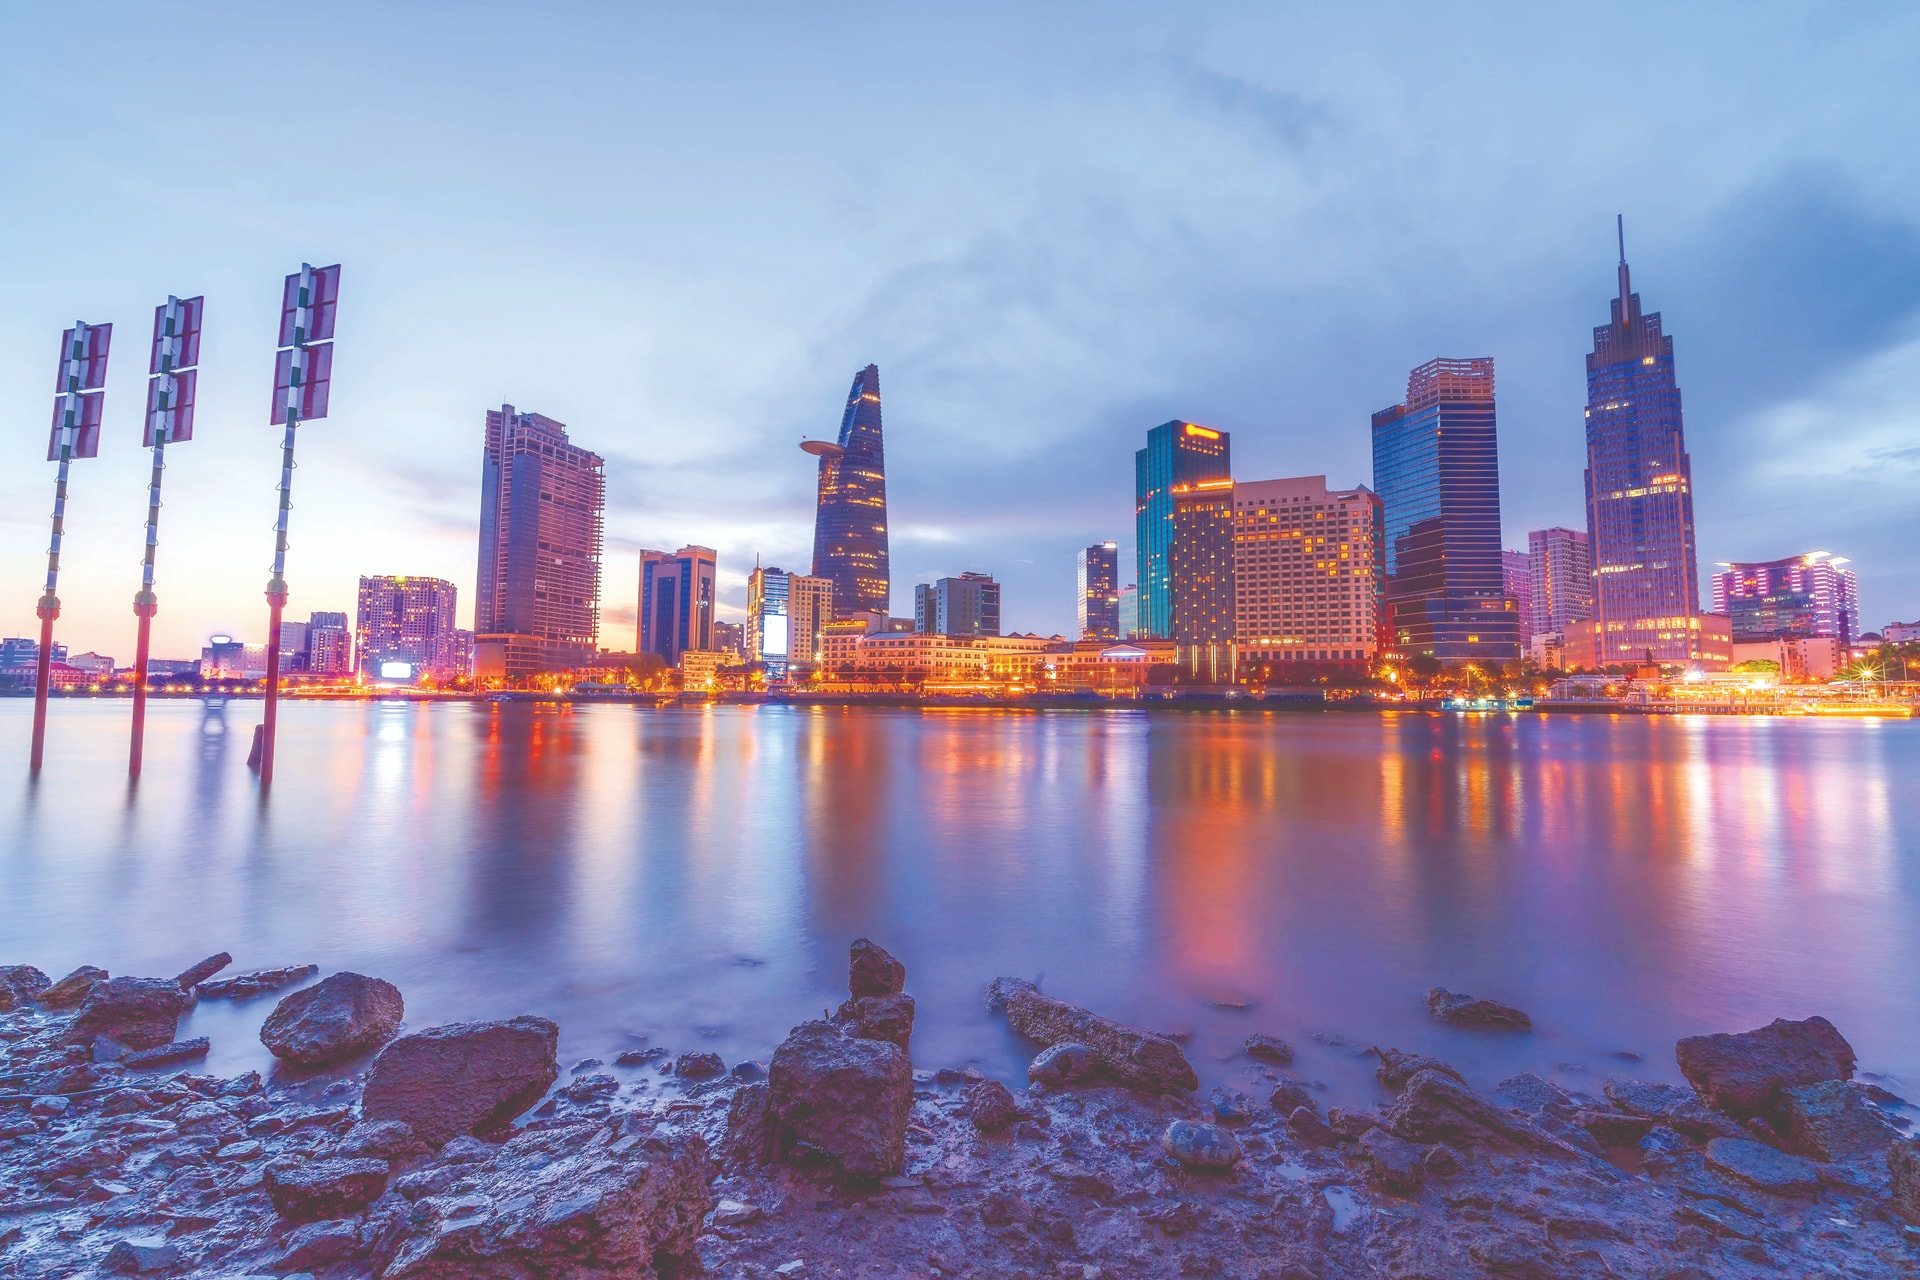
[1201, 1146]
[789, 1268]
[734, 1213]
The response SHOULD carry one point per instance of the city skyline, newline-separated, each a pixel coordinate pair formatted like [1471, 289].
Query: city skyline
[1022, 329]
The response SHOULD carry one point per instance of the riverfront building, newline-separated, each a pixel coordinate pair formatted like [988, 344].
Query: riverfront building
[768, 623]
[1309, 564]
[1097, 581]
[1200, 571]
[968, 605]
[1800, 596]
[1437, 471]
[329, 644]
[542, 508]
[850, 521]
[809, 612]
[405, 629]
[1516, 578]
[1646, 597]
[1562, 572]
[676, 602]
[1177, 454]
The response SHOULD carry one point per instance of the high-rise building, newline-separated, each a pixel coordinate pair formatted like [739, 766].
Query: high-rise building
[1562, 579]
[1177, 453]
[1200, 573]
[1097, 575]
[542, 504]
[1800, 596]
[1516, 578]
[730, 638]
[24, 651]
[329, 644]
[809, 610]
[405, 629]
[1308, 568]
[1129, 611]
[293, 646]
[1646, 597]
[676, 602]
[968, 605]
[768, 623]
[850, 523]
[1437, 471]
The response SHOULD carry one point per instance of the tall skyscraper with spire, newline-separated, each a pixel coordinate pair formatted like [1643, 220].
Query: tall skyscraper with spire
[850, 523]
[1646, 578]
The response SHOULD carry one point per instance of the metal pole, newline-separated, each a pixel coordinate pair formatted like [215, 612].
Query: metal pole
[49, 605]
[146, 604]
[277, 585]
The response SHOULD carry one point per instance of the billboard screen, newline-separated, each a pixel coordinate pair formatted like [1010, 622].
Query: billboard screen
[773, 635]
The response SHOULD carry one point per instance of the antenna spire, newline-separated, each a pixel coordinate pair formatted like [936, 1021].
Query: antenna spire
[1626, 286]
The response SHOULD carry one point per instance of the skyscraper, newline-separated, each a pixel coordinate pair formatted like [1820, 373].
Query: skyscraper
[1129, 611]
[1200, 572]
[1516, 579]
[676, 602]
[1098, 579]
[809, 610]
[1308, 564]
[768, 623]
[968, 605]
[1437, 470]
[1798, 597]
[1562, 579]
[329, 644]
[850, 523]
[542, 503]
[1646, 598]
[406, 628]
[1177, 453]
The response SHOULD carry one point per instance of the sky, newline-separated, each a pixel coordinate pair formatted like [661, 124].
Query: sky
[680, 230]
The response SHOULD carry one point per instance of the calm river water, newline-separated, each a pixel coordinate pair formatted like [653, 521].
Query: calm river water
[694, 876]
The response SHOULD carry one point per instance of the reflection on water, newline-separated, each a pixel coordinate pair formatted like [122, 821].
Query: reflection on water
[694, 876]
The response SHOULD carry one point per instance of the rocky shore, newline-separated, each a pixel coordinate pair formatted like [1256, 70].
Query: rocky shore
[461, 1151]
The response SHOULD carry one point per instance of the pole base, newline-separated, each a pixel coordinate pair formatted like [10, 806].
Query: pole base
[258, 748]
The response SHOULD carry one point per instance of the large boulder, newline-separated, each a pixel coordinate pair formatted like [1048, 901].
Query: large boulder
[1134, 1057]
[872, 970]
[463, 1078]
[19, 984]
[1437, 1108]
[1475, 1011]
[1903, 1164]
[577, 1202]
[335, 1018]
[842, 1098]
[139, 1013]
[309, 1190]
[1747, 1073]
[1832, 1121]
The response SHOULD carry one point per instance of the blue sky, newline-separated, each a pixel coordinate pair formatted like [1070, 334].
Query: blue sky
[681, 230]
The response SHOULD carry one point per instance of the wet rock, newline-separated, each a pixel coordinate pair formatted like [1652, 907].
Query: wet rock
[244, 986]
[1903, 1166]
[639, 1057]
[1615, 1128]
[1670, 1105]
[139, 1255]
[887, 1017]
[597, 1084]
[990, 1105]
[167, 1054]
[1265, 1048]
[1000, 990]
[1396, 1067]
[72, 989]
[1746, 1073]
[1475, 1011]
[697, 1066]
[140, 1013]
[1437, 1108]
[1136, 1058]
[126, 1101]
[341, 1015]
[309, 1190]
[379, 1140]
[318, 1245]
[574, 1203]
[1198, 1145]
[872, 970]
[1230, 1106]
[750, 1136]
[1307, 1127]
[1289, 1094]
[1759, 1165]
[199, 973]
[1662, 1140]
[1349, 1124]
[1064, 1063]
[1832, 1121]
[463, 1078]
[1393, 1164]
[19, 985]
[431, 1181]
[844, 1098]
[1532, 1095]
[734, 1213]
[50, 1106]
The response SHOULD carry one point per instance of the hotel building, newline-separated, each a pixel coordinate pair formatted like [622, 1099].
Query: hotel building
[1308, 567]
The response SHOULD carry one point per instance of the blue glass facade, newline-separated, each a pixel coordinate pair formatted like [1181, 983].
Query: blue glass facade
[676, 602]
[1436, 468]
[1178, 454]
[850, 525]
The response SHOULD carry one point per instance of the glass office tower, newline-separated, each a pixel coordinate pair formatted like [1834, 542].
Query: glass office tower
[850, 523]
[1436, 468]
[1177, 454]
[676, 602]
[1098, 579]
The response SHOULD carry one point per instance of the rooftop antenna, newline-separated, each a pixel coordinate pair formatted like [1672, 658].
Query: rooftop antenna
[1626, 289]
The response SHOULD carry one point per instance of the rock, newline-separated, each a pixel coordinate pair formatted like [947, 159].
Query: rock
[126, 1101]
[1064, 1063]
[1903, 1166]
[379, 1140]
[990, 1105]
[1437, 1108]
[1306, 1126]
[843, 1097]
[463, 1078]
[167, 1054]
[318, 1245]
[1136, 1058]
[1349, 1124]
[1230, 1106]
[888, 1017]
[750, 1136]
[138, 1255]
[1832, 1121]
[1000, 990]
[341, 1015]
[49, 1106]
[1671, 1105]
[72, 989]
[696, 1066]
[1265, 1048]
[580, 1202]
[734, 1213]
[1198, 1145]
[1396, 1067]
[1759, 1165]
[243, 986]
[199, 973]
[140, 1013]
[1393, 1164]
[1474, 1011]
[597, 1084]
[249, 1149]
[19, 985]
[638, 1057]
[1746, 1073]
[1290, 1094]
[872, 970]
[1662, 1140]
[1615, 1128]
[1531, 1094]
[309, 1190]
